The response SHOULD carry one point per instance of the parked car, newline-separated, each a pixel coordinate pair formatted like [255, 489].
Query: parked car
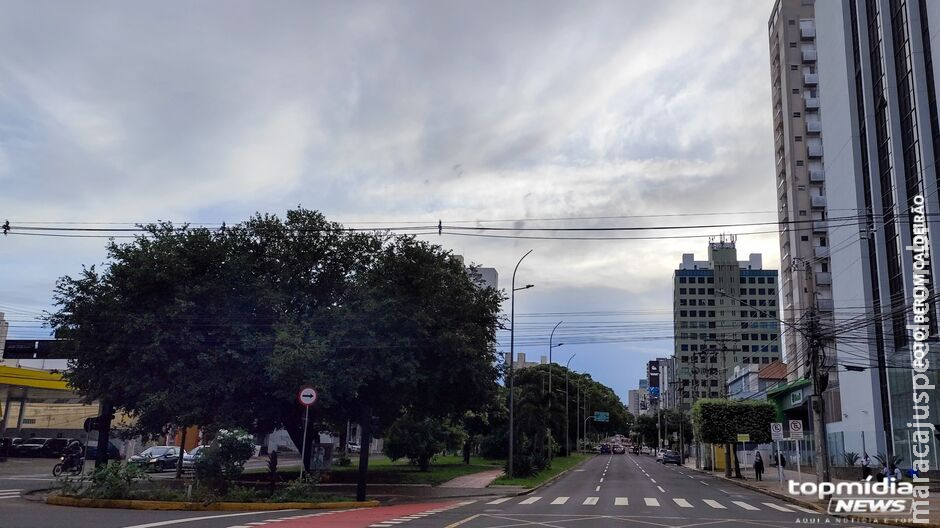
[156, 458]
[190, 458]
[644, 450]
[30, 447]
[659, 454]
[353, 447]
[55, 447]
[605, 449]
[91, 451]
[7, 445]
[619, 449]
[672, 457]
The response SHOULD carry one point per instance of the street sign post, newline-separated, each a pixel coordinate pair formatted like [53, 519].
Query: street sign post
[744, 438]
[307, 396]
[796, 434]
[601, 416]
[776, 434]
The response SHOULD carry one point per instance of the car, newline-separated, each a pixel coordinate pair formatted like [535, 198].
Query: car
[190, 458]
[30, 447]
[352, 447]
[605, 449]
[55, 447]
[644, 450]
[659, 455]
[156, 458]
[7, 445]
[672, 457]
[91, 451]
[618, 449]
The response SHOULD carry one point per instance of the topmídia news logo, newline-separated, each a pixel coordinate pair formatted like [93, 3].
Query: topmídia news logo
[863, 498]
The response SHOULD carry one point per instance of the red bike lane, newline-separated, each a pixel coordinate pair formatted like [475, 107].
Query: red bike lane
[379, 517]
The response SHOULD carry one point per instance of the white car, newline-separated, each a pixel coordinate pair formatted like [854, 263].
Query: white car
[352, 447]
[659, 455]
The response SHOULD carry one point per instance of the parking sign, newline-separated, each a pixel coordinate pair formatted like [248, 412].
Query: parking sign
[796, 429]
[776, 431]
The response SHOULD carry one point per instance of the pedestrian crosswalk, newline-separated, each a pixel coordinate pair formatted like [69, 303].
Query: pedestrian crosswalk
[648, 502]
[9, 493]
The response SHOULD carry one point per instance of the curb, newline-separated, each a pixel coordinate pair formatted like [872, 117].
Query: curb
[57, 500]
[787, 498]
[553, 479]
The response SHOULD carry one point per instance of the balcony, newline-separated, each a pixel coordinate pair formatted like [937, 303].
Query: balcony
[813, 127]
[819, 201]
[811, 79]
[824, 305]
[814, 150]
[817, 175]
[820, 226]
[821, 251]
[811, 103]
[809, 55]
[807, 31]
[824, 278]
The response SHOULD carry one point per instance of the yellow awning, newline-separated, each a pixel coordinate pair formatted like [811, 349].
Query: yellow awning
[38, 379]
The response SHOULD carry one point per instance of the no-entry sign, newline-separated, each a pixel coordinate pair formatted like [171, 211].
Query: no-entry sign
[307, 396]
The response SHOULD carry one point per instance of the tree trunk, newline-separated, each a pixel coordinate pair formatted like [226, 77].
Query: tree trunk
[344, 441]
[106, 409]
[179, 460]
[737, 463]
[728, 460]
[467, 447]
[364, 442]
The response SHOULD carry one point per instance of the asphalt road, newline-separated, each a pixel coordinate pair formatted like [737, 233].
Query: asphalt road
[606, 491]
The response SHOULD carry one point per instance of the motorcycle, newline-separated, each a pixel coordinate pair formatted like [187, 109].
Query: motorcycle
[71, 464]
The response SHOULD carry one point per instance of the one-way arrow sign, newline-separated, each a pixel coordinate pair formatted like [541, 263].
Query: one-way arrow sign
[307, 396]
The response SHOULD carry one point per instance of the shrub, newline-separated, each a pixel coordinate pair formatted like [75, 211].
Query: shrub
[301, 489]
[115, 480]
[224, 460]
[850, 458]
[242, 494]
[418, 440]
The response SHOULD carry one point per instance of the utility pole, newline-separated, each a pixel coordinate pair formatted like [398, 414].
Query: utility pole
[817, 404]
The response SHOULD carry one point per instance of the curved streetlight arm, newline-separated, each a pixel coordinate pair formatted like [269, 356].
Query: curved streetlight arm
[512, 359]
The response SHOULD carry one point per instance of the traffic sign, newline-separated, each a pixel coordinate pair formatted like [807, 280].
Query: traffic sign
[776, 431]
[744, 438]
[796, 429]
[601, 416]
[307, 396]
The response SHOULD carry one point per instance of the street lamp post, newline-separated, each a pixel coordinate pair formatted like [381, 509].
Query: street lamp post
[567, 427]
[550, 347]
[512, 357]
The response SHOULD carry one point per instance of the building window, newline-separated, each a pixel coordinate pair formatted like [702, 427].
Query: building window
[798, 139]
[682, 291]
[681, 280]
[802, 212]
[796, 91]
[794, 67]
[683, 313]
[684, 348]
[793, 44]
[804, 238]
[799, 163]
[796, 114]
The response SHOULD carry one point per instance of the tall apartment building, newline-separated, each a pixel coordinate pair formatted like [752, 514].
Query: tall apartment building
[4, 328]
[725, 314]
[805, 274]
[633, 401]
[879, 119]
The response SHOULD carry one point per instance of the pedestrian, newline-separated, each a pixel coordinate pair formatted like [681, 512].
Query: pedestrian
[896, 475]
[866, 467]
[758, 465]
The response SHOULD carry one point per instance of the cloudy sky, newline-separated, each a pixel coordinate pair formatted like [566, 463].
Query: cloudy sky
[536, 114]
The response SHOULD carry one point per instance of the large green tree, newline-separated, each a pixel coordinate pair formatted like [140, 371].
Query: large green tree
[220, 328]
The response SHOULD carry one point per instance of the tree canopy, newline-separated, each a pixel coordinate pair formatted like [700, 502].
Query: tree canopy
[190, 326]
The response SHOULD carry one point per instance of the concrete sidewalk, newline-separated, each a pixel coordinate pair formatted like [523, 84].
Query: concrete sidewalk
[474, 481]
[771, 485]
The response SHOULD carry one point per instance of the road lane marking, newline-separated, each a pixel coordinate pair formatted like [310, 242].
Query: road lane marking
[714, 504]
[597, 488]
[661, 490]
[653, 481]
[560, 500]
[778, 508]
[804, 510]
[196, 519]
[602, 480]
[682, 503]
[651, 501]
[531, 500]
[500, 501]
[590, 501]
[747, 506]
[621, 501]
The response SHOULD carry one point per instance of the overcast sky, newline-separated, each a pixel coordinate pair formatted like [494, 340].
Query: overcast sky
[400, 112]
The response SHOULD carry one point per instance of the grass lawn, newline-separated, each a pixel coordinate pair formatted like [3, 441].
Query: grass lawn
[559, 464]
[384, 471]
